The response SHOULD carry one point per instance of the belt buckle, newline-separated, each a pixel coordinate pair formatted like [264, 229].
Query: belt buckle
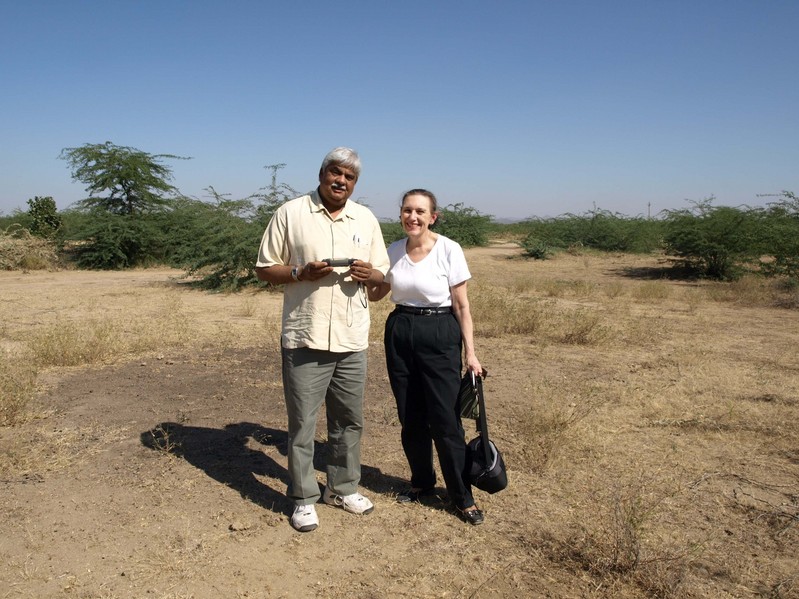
[427, 311]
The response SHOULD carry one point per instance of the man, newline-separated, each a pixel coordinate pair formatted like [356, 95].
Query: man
[325, 331]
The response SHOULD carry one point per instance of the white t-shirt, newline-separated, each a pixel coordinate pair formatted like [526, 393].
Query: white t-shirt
[426, 284]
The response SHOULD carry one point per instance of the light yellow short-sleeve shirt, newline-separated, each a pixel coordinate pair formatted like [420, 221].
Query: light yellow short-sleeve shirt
[332, 313]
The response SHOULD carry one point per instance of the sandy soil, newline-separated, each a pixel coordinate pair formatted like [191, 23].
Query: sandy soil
[163, 475]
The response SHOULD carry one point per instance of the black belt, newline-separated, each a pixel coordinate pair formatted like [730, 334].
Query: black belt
[423, 311]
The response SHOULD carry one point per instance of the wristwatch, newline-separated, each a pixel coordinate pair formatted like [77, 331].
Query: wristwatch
[295, 273]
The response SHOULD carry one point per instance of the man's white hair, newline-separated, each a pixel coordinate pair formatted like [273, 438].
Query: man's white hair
[345, 157]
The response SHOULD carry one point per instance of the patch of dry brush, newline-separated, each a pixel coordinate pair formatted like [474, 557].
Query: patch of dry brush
[19, 250]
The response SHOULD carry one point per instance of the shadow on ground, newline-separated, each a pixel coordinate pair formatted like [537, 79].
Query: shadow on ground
[224, 455]
[670, 272]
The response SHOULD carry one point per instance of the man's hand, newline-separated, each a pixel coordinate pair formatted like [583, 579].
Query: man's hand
[313, 271]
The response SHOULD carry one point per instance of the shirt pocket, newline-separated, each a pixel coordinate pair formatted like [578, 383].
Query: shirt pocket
[361, 245]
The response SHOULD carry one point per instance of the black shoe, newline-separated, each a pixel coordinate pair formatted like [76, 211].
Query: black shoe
[473, 517]
[411, 495]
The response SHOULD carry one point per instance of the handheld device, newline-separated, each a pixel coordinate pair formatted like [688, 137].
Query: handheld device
[339, 261]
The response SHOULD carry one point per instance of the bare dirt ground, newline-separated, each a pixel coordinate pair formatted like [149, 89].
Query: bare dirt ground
[659, 458]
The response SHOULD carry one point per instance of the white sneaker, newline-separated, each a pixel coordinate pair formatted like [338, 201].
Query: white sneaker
[304, 518]
[354, 504]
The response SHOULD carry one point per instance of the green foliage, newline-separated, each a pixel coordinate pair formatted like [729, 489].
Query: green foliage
[709, 241]
[534, 247]
[107, 241]
[780, 237]
[120, 179]
[460, 223]
[127, 188]
[216, 242]
[712, 240]
[392, 231]
[612, 232]
[19, 218]
[219, 242]
[45, 220]
[597, 229]
[543, 237]
[464, 224]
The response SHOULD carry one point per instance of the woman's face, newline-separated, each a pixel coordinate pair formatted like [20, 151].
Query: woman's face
[416, 215]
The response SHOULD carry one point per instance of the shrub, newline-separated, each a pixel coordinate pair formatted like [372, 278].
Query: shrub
[597, 229]
[45, 220]
[780, 237]
[108, 241]
[22, 219]
[392, 231]
[220, 241]
[458, 222]
[534, 247]
[711, 241]
[463, 224]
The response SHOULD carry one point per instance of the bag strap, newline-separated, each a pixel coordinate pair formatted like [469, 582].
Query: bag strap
[477, 386]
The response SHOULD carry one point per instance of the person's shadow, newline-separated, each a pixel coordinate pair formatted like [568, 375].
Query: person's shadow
[224, 455]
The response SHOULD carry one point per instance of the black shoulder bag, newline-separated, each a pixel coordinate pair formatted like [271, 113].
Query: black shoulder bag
[484, 462]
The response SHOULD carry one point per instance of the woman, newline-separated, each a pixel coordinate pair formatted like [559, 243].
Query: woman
[424, 338]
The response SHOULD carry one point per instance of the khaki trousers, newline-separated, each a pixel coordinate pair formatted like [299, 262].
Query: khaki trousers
[312, 378]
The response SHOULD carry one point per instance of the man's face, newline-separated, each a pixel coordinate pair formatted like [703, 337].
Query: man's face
[336, 184]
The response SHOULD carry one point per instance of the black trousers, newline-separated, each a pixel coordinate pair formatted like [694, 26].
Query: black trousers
[423, 357]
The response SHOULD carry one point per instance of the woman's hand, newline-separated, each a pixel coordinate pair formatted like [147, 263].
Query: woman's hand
[473, 365]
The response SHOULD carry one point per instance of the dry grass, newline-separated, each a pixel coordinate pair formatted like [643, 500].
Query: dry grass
[17, 386]
[650, 429]
[50, 329]
[43, 451]
[497, 311]
[19, 250]
[107, 338]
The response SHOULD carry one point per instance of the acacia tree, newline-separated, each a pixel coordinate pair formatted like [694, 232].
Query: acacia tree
[128, 189]
[120, 179]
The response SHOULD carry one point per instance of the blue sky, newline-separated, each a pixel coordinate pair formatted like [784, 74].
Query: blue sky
[516, 108]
